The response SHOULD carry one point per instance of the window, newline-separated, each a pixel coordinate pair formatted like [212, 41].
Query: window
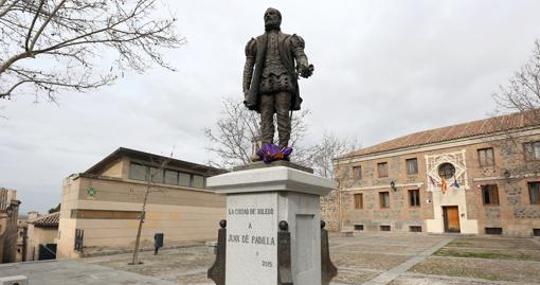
[534, 192]
[414, 198]
[532, 150]
[357, 171]
[385, 228]
[171, 177]
[382, 169]
[412, 166]
[358, 201]
[415, 229]
[137, 171]
[156, 174]
[384, 199]
[490, 195]
[358, 227]
[184, 179]
[493, 231]
[485, 157]
[446, 170]
[198, 181]
[536, 232]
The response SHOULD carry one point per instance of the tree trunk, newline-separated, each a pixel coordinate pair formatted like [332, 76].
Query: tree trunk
[135, 259]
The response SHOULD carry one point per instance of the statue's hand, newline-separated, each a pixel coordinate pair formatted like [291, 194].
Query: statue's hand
[307, 71]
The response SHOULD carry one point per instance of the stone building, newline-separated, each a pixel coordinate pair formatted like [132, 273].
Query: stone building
[42, 233]
[22, 235]
[101, 207]
[9, 213]
[480, 177]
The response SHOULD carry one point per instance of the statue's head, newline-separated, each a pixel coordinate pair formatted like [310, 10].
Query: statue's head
[272, 19]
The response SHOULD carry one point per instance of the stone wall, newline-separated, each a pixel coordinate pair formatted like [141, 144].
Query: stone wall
[514, 214]
[330, 211]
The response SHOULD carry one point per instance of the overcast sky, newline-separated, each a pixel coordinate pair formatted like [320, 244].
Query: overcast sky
[382, 69]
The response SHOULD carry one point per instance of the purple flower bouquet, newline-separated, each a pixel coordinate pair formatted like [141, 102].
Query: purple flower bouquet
[270, 152]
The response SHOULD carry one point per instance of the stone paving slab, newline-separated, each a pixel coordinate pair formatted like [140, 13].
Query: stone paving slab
[388, 276]
[76, 273]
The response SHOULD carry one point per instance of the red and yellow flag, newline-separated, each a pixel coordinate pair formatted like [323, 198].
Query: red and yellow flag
[444, 185]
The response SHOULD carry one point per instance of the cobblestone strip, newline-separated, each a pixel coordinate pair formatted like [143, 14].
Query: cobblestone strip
[387, 276]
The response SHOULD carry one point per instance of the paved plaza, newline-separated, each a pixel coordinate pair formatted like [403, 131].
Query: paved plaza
[367, 258]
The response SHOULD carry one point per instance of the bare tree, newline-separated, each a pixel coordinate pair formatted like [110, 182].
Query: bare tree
[152, 174]
[329, 147]
[522, 93]
[237, 131]
[48, 46]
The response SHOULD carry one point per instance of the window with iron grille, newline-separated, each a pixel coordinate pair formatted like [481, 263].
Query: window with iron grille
[490, 195]
[412, 166]
[384, 199]
[486, 157]
[358, 201]
[382, 169]
[358, 227]
[385, 228]
[415, 229]
[534, 192]
[493, 231]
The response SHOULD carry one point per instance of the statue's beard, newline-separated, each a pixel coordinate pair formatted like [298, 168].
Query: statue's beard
[272, 25]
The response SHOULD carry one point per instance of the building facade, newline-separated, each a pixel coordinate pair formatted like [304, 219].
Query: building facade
[9, 214]
[22, 238]
[101, 207]
[480, 177]
[42, 233]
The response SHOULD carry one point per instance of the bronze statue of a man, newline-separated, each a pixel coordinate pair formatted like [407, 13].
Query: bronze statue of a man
[271, 78]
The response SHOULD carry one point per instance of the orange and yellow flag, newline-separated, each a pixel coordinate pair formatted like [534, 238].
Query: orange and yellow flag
[444, 185]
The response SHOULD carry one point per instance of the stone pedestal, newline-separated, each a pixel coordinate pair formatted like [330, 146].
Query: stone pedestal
[257, 200]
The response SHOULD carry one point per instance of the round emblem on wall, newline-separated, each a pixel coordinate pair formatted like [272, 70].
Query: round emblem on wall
[446, 170]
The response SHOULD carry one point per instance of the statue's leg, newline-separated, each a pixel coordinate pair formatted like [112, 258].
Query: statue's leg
[267, 118]
[283, 103]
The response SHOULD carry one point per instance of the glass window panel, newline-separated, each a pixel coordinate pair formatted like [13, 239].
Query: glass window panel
[412, 166]
[534, 192]
[198, 181]
[490, 194]
[184, 179]
[137, 171]
[414, 198]
[171, 177]
[536, 150]
[384, 198]
[486, 157]
[156, 174]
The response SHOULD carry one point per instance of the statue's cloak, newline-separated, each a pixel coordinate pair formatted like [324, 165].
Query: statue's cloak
[286, 52]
